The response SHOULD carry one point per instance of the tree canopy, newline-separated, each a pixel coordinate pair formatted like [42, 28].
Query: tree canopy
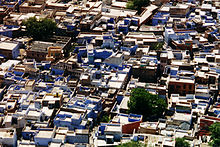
[181, 142]
[105, 118]
[215, 134]
[157, 46]
[40, 29]
[137, 4]
[132, 144]
[146, 104]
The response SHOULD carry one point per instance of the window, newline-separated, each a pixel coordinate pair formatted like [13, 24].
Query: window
[159, 21]
[184, 86]
[184, 93]
[190, 87]
[163, 61]
[57, 54]
[178, 87]
[172, 87]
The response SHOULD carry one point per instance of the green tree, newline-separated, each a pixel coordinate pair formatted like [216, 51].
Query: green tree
[137, 4]
[132, 144]
[40, 29]
[145, 103]
[105, 118]
[215, 134]
[157, 46]
[181, 142]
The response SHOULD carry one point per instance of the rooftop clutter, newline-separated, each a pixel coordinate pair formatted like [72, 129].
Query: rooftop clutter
[74, 87]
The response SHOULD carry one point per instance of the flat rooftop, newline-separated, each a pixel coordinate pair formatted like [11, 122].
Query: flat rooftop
[45, 134]
[8, 45]
[40, 46]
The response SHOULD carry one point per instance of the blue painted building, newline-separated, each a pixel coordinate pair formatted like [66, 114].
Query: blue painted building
[160, 18]
[9, 31]
[72, 120]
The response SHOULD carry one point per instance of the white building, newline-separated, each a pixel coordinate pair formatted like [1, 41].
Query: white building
[9, 49]
[8, 137]
[43, 138]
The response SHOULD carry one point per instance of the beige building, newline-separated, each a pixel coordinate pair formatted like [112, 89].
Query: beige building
[32, 6]
[54, 52]
[179, 10]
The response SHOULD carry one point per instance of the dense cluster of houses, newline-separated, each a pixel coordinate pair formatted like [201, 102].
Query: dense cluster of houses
[56, 92]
